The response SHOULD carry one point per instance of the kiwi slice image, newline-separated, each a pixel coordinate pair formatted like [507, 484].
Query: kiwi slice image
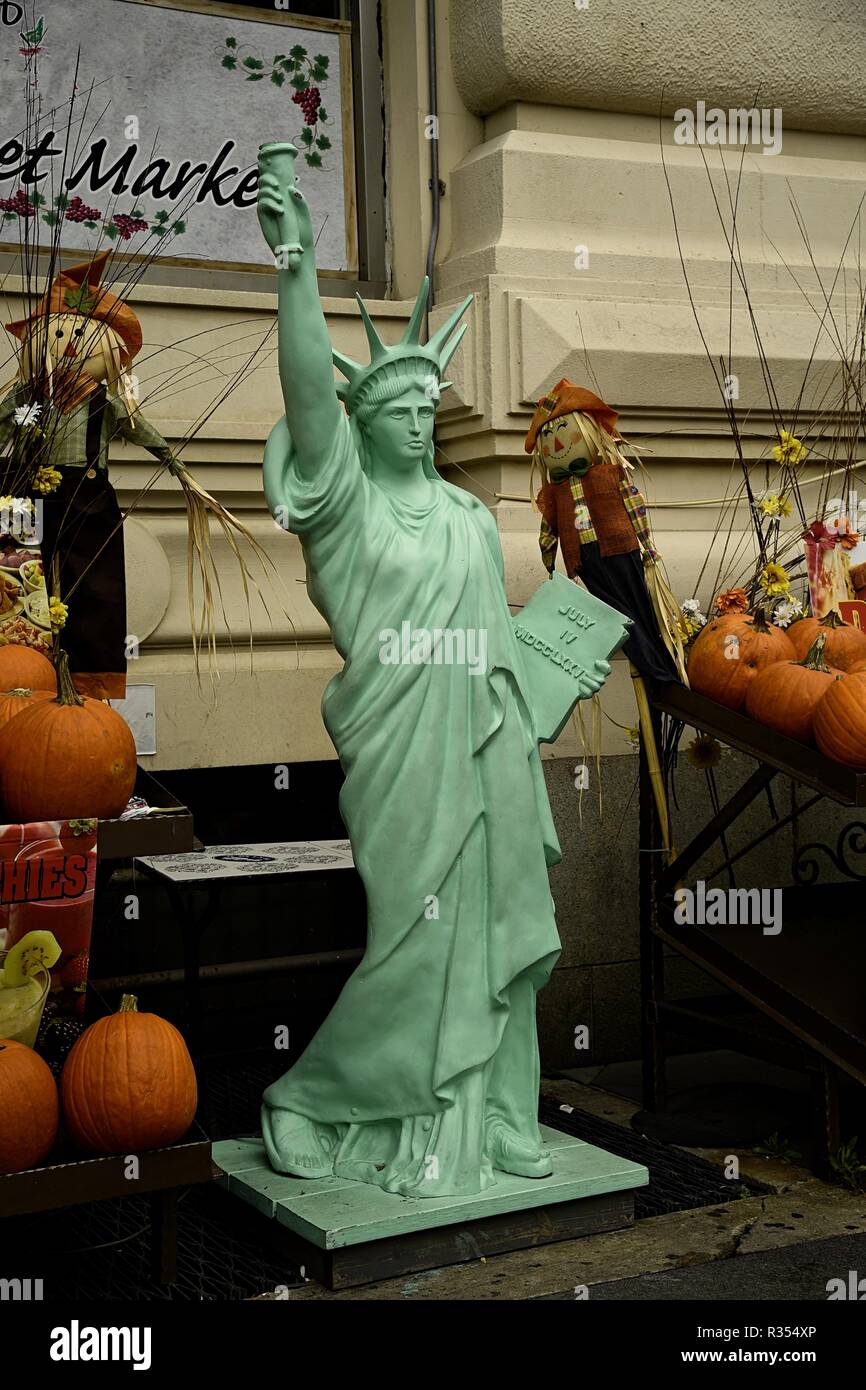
[36, 951]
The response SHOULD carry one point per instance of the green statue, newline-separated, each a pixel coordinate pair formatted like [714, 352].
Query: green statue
[424, 1077]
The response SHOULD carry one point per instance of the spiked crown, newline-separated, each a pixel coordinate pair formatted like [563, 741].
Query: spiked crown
[433, 357]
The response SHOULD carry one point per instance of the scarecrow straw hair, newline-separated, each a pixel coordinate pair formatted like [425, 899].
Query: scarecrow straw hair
[201, 506]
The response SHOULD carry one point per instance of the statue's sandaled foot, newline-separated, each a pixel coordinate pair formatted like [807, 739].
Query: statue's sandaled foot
[510, 1152]
[296, 1145]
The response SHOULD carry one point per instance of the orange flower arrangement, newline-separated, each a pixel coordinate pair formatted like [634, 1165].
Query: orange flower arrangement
[732, 601]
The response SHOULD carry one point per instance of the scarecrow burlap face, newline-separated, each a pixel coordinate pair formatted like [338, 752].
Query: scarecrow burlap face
[566, 444]
[85, 347]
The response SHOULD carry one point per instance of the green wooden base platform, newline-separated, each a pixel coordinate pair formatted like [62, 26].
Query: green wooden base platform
[347, 1233]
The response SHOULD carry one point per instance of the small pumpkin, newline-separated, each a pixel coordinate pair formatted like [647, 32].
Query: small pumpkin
[784, 696]
[16, 701]
[728, 653]
[846, 644]
[840, 722]
[26, 669]
[67, 758]
[128, 1084]
[29, 1108]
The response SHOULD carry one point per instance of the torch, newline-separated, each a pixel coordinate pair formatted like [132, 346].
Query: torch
[278, 159]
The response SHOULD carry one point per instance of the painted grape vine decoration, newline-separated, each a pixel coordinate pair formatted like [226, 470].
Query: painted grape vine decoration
[121, 225]
[304, 75]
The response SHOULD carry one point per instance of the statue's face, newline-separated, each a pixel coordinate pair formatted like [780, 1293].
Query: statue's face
[562, 442]
[401, 431]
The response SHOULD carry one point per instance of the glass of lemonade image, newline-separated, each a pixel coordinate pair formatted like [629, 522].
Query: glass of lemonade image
[21, 1007]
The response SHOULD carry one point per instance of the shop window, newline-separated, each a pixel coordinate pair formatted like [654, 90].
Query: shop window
[167, 117]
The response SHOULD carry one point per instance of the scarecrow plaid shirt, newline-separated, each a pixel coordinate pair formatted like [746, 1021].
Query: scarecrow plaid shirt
[67, 431]
[632, 501]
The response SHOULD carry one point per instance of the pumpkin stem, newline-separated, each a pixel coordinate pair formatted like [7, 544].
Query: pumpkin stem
[832, 619]
[814, 658]
[759, 619]
[128, 1004]
[66, 692]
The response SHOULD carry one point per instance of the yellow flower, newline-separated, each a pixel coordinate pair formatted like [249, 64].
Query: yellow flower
[789, 450]
[687, 627]
[771, 504]
[704, 751]
[59, 613]
[47, 479]
[633, 736]
[774, 580]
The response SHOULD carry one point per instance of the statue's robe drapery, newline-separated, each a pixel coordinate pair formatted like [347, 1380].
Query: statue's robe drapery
[445, 804]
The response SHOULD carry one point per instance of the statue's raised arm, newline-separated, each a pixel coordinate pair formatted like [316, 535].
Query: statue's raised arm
[306, 370]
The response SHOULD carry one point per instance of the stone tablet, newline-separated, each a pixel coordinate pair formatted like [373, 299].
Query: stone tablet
[563, 630]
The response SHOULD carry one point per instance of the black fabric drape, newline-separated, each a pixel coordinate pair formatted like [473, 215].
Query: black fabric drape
[619, 581]
[82, 524]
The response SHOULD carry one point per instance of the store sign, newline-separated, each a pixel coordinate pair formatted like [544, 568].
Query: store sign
[148, 138]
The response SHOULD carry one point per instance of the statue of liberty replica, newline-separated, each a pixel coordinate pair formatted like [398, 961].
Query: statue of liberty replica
[424, 1077]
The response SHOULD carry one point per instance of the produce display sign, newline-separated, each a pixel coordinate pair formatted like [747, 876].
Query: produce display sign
[47, 879]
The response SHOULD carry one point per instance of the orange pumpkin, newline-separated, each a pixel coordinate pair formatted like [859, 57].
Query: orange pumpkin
[68, 758]
[840, 722]
[23, 668]
[14, 702]
[729, 652]
[784, 696]
[29, 1109]
[128, 1084]
[846, 644]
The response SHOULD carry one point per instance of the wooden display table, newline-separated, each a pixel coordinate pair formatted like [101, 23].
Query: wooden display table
[801, 993]
[189, 878]
[66, 1182]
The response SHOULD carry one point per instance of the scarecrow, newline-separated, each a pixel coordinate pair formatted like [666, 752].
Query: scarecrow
[594, 512]
[74, 396]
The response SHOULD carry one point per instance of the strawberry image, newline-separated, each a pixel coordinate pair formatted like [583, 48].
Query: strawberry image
[73, 975]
